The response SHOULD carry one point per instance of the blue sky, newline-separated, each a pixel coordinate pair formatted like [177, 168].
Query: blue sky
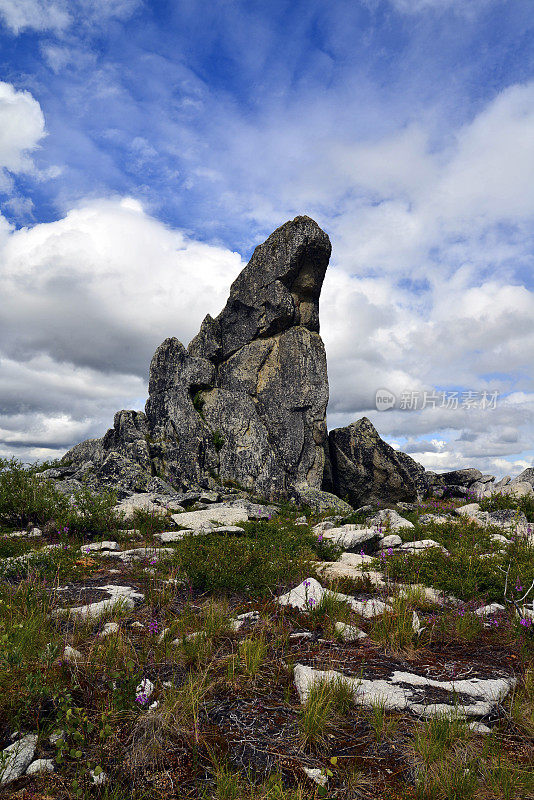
[149, 146]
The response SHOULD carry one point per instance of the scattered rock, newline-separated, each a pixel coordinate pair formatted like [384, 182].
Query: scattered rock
[151, 554]
[468, 510]
[422, 545]
[123, 596]
[352, 539]
[349, 633]
[71, 654]
[308, 595]
[316, 775]
[492, 608]
[388, 521]
[99, 778]
[109, 629]
[144, 691]
[224, 515]
[168, 537]
[390, 541]
[94, 547]
[434, 519]
[406, 691]
[40, 766]
[350, 565]
[16, 758]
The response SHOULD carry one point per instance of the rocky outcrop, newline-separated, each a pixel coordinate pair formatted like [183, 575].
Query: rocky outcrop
[246, 401]
[365, 469]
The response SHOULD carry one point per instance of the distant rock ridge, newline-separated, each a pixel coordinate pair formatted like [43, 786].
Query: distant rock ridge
[245, 405]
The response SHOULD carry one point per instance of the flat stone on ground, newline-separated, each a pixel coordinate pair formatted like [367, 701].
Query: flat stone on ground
[224, 515]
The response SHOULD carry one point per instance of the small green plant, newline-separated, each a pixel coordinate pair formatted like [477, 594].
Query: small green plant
[251, 654]
[437, 735]
[382, 724]
[198, 403]
[218, 440]
[325, 701]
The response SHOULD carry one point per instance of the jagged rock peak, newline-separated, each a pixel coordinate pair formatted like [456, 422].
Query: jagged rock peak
[278, 289]
[246, 402]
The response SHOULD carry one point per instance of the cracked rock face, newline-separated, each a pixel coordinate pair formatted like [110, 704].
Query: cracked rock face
[365, 469]
[246, 402]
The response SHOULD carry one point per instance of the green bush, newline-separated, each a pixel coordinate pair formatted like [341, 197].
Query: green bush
[91, 513]
[496, 502]
[25, 498]
[265, 557]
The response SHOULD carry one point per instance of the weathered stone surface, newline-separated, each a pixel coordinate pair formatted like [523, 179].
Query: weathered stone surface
[460, 477]
[40, 766]
[365, 539]
[123, 596]
[388, 520]
[321, 501]
[409, 691]
[365, 469]
[16, 758]
[225, 515]
[246, 402]
[527, 475]
[518, 489]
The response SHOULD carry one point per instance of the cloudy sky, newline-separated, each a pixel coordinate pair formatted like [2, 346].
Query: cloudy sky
[146, 146]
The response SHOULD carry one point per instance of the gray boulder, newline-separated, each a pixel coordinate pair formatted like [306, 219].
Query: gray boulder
[322, 502]
[365, 469]
[461, 477]
[526, 476]
[246, 402]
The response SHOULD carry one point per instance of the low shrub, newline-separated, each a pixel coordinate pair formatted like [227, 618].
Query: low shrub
[267, 556]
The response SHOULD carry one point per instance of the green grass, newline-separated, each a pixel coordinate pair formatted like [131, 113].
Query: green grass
[463, 573]
[267, 556]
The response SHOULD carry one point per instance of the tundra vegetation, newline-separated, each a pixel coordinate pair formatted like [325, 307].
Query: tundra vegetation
[184, 686]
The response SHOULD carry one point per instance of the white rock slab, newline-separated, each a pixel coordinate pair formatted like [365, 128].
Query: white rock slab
[40, 766]
[351, 565]
[140, 553]
[96, 546]
[316, 775]
[71, 654]
[224, 515]
[350, 539]
[421, 545]
[109, 629]
[143, 501]
[468, 510]
[405, 691]
[173, 536]
[124, 596]
[308, 595]
[392, 540]
[389, 521]
[492, 608]
[16, 758]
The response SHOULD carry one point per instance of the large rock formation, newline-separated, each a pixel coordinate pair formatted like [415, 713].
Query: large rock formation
[246, 402]
[365, 469]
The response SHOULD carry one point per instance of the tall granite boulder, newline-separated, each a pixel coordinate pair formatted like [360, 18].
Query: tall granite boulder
[365, 469]
[246, 402]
